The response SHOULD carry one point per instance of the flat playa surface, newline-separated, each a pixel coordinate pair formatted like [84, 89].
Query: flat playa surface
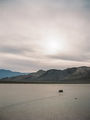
[43, 102]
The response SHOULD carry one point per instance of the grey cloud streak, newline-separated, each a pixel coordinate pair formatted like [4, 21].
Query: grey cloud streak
[75, 58]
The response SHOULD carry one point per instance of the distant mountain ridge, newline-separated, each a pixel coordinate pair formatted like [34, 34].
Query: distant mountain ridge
[8, 73]
[75, 75]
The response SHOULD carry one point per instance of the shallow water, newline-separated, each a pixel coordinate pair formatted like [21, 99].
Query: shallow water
[43, 102]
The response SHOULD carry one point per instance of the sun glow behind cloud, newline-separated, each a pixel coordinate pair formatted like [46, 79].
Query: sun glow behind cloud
[53, 44]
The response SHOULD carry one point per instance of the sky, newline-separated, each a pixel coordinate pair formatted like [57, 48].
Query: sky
[44, 34]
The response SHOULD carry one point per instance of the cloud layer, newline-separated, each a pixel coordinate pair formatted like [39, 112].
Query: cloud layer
[26, 26]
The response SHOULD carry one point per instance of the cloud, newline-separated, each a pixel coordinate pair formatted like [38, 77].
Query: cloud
[73, 57]
[25, 25]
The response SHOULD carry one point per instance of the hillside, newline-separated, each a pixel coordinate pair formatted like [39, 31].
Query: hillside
[71, 75]
[7, 73]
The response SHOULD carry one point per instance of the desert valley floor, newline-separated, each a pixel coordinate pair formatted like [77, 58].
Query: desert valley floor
[43, 102]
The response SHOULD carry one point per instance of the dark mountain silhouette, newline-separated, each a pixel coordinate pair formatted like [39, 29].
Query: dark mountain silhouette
[71, 75]
[38, 73]
[8, 73]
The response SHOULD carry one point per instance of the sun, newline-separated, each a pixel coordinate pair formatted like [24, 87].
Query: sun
[53, 45]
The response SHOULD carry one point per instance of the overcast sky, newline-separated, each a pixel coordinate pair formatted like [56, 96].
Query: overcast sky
[44, 34]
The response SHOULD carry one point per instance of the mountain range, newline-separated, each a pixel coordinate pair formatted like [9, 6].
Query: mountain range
[75, 75]
[8, 73]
